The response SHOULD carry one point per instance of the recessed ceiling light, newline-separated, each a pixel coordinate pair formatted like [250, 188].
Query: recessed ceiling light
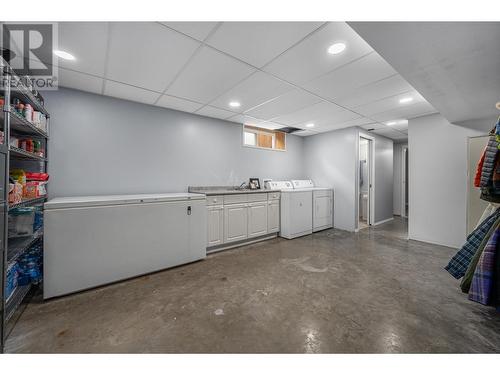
[64, 55]
[310, 125]
[406, 100]
[390, 123]
[234, 104]
[336, 48]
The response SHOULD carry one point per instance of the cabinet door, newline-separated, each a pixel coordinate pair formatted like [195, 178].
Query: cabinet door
[257, 219]
[322, 211]
[273, 216]
[215, 225]
[235, 222]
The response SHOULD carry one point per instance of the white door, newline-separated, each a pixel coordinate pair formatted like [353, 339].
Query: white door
[235, 222]
[215, 225]
[257, 219]
[322, 217]
[301, 212]
[273, 216]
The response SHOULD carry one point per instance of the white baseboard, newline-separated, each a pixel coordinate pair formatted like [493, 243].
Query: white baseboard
[384, 221]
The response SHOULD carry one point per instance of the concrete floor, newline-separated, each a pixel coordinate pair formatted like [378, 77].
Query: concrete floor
[331, 292]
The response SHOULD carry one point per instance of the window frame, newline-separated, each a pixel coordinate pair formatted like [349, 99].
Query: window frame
[256, 130]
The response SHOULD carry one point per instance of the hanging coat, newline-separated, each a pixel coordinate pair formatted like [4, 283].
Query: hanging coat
[489, 162]
[479, 169]
[467, 279]
[460, 262]
[482, 282]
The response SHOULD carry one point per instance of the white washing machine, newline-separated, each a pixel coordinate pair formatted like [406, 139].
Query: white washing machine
[321, 201]
[295, 209]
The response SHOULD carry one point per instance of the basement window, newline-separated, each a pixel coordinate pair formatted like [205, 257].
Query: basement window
[264, 138]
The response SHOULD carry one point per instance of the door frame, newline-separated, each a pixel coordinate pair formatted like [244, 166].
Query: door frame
[404, 182]
[371, 180]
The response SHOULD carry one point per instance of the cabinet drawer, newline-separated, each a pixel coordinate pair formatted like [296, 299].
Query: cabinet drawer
[257, 197]
[235, 198]
[213, 200]
[323, 193]
[273, 196]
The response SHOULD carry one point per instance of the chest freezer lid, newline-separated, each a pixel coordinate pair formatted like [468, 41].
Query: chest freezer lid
[106, 200]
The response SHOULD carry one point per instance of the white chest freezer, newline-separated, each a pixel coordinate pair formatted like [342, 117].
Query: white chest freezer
[92, 241]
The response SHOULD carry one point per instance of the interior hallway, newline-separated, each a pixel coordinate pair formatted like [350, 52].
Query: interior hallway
[331, 292]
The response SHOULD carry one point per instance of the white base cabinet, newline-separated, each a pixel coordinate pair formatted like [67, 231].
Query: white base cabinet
[215, 223]
[238, 217]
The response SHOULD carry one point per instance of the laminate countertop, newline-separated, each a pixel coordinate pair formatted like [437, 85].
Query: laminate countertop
[226, 190]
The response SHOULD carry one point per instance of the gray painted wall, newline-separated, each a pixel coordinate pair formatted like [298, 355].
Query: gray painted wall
[101, 145]
[438, 180]
[383, 178]
[331, 160]
[398, 169]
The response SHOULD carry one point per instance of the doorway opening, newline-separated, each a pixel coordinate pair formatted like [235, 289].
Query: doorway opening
[404, 183]
[365, 182]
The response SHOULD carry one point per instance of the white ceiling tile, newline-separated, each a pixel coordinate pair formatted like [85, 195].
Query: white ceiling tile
[286, 103]
[179, 104]
[256, 89]
[305, 133]
[122, 91]
[80, 81]
[208, 75]
[257, 43]
[359, 121]
[389, 133]
[405, 112]
[214, 112]
[147, 54]
[312, 113]
[384, 88]
[87, 41]
[310, 59]
[373, 125]
[244, 119]
[361, 72]
[388, 104]
[270, 125]
[197, 30]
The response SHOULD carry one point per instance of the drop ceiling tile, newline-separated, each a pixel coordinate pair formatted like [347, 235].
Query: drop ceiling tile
[289, 102]
[256, 89]
[373, 125]
[361, 72]
[405, 112]
[244, 119]
[257, 43]
[214, 112]
[146, 54]
[388, 104]
[305, 133]
[312, 114]
[80, 81]
[87, 41]
[270, 125]
[197, 30]
[179, 104]
[389, 133]
[310, 59]
[208, 75]
[377, 90]
[359, 121]
[122, 91]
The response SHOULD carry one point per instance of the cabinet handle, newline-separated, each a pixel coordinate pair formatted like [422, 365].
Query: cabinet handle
[189, 210]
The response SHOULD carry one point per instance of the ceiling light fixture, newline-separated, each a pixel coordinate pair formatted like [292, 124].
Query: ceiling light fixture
[406, 100]
[390, 123]
[310, 125]
[64, 55]
[234, 104]
[336, 48]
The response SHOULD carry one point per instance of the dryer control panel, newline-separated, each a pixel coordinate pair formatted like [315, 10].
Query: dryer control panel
[302, 184]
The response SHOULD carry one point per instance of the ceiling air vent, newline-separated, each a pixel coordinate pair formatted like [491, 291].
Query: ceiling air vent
[288, 129]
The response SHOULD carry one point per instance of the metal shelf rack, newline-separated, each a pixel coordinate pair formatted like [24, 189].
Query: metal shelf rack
[13, 123]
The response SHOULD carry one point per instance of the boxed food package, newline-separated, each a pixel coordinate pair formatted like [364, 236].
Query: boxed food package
[15, 193]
